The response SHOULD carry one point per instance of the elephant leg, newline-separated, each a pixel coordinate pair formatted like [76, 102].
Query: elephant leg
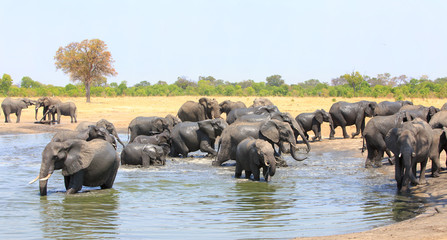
[247, 174]
[359, 126]
[238, 170]
[76, 181]
[317, 132]
[145, 159]
[206, 147]
[422, 173]
[109, 182]
[18, 114]
[256, 174]
[398, 172]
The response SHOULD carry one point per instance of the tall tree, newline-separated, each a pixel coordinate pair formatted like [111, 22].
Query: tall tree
[5, 83]
[354, 80]
[88, 61]
[274, 80]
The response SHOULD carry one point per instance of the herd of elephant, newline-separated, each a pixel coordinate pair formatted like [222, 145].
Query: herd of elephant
[255, 137]
[51, 107]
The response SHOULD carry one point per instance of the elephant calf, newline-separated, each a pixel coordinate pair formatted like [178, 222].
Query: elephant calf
[65, 109]
[163, 140]
[253, 154]
[313, 121]
[143, 154]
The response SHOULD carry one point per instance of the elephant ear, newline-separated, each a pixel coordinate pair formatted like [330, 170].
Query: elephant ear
[260, 145]
[391, 140]
[204, 102]
[319, 116]
[207, 126]
[80, 154]
[270, 130]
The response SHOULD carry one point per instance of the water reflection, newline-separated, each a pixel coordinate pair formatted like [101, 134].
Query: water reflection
[90, 215]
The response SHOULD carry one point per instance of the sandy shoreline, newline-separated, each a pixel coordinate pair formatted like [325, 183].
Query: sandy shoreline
[432, 224]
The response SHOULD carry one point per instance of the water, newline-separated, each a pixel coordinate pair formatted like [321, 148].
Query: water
[330, 193]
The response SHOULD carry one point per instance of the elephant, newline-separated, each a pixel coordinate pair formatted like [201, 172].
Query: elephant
[143, 154]
[10, 105]
[206, 108]
[273, 131]
[192, 136]
[64, 109]
[239, 112]
[387, 108]
[46, 102]
[151, 125]
[411, 144]
[227, 106]
[345, 114]
[92, 132]
[313, 121]
[102, 123]
[440, 140]
[94, 163]
[258, 102]
[438, 120]
[444, 107]
[374, 135]
[163, 140]
[422, 112]
[253, 154]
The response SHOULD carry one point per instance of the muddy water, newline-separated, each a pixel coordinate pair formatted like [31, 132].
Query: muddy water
[330, 193]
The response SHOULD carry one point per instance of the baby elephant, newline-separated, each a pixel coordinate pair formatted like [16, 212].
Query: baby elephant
[313, 121]
[253, 154]
[143, 154]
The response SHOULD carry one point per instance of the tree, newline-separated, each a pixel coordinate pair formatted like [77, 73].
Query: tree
[27, 82]
[183, 83]
[5, 83]
[87, 61]
[274, 80]
[354, 80]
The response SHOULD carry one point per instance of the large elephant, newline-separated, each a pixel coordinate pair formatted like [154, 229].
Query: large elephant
[94, 163]
[258, 102]
[253, 154]
[151, 125]
[239, 112]
[374, 135]
[64, 109]
[438, 120]
[422, 112]
[227, 106]
[440, 140]
[192, 136]
[346, 114]
[411, 144]
[206, 108]
[46, 102]
[143, 154]
[103, 123]
[387, 108]
[444, 107]
[273, 131]
[10, 105]
[313, 121]
[163, 140]
[92, 132]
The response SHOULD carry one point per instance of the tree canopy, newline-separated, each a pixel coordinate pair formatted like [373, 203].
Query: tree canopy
[88, 62]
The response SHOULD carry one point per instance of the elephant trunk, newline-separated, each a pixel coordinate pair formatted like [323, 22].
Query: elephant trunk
[37, 109]
[46, 170]
[294, 154]
[114, 133]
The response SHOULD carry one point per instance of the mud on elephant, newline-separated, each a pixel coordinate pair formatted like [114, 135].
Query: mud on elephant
[151, 125]
[83, 163]
[206, 108]
[143, 154]
[102, 123]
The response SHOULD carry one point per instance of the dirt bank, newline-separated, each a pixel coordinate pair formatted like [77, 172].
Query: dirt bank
[120, 111]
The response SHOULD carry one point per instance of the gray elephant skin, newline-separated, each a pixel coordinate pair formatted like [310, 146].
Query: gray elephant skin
[252, 155]
[374, 136]
[419, 111]
[46, 102]
[92, 132]
[151, 125]
[227, 106]
[163, 140]
[273, 131]
[206, 108]
[411, 144]
[143, 154]
[94, 163]
[444, 107]
[10, 105]
[346, 114]
[192, 136]
[258, 102]
[440, 140]
[240, 112]
[387, 108]
[313, 121]
[64, 109]
[438, 120]
[102, 123]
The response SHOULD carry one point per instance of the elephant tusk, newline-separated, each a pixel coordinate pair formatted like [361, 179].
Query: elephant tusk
[45, 178]
[35, 179]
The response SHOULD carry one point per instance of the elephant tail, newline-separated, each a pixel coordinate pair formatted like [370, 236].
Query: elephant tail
[363, 144]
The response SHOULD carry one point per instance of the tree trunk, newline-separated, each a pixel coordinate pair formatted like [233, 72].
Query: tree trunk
[87, 90]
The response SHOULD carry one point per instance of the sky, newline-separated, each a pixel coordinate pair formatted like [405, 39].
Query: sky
[232, 40]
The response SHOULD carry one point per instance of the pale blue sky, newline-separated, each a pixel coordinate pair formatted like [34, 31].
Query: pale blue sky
[230, 40]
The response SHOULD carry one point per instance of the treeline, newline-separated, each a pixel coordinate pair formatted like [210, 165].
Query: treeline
[348, 85]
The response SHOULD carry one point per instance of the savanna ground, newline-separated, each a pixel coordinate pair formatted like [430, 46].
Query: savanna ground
[121, 110]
